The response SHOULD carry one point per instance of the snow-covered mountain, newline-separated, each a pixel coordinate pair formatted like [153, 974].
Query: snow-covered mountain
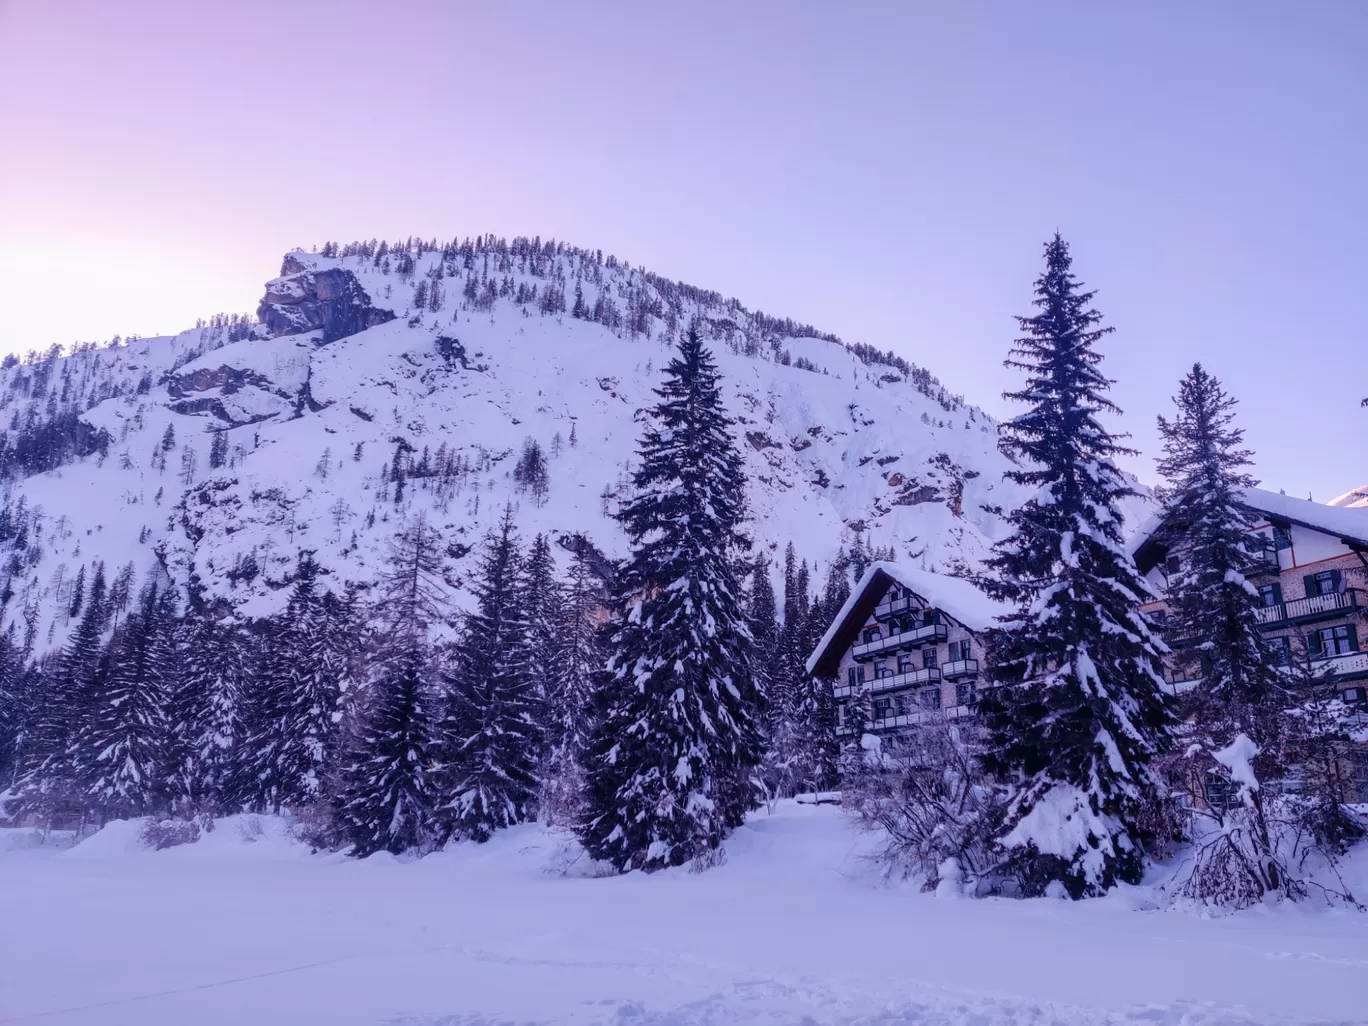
[223, 452]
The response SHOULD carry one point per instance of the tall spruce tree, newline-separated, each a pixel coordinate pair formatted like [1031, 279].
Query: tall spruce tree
[206, 714]
[122, 752]
[1241, 696]
[295, 721]
[61, 698]
[667, 774]
[388, 793]
[1078, 712]
[491, 727]
[540, 599]
[571, 673]
[1210, 598]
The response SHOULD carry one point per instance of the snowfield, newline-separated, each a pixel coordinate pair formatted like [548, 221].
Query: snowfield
[246, 927]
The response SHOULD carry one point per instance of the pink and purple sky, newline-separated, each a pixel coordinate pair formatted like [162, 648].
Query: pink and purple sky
[888, 172]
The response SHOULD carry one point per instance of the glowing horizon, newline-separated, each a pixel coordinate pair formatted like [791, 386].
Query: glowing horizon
[887, 173]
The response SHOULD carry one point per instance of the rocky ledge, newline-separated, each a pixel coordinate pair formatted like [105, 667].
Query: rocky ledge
[308, 300]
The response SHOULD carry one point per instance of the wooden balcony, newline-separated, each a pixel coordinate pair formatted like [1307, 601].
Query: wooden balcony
[898, 607]
[927, 634]
[1352, 664]
[913, 719]
[1313, 607]
[958, 668]
[906, 679]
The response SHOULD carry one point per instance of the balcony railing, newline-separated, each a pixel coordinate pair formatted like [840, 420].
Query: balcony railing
[912, 719]
[1350, 663]
[926, 634]
[906, 679]
[959, 668]
[1313, 607]
[896, 607]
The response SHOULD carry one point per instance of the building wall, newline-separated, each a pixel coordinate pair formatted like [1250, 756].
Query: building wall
[907, 705]
[1309, 552]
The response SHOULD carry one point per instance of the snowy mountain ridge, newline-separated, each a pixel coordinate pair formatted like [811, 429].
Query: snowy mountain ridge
[217, 455]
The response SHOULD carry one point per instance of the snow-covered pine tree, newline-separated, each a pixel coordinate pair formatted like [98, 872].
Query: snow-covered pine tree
[540, 600]
[122, 751]
[763, 615]
[294, 721]
[205, 710]
[387, 788]
[490, 729]
[15, 704]
[1210, 600]
[668, 771]
[1078, 712]
[60, 700]
[772, 678]
[571, 673]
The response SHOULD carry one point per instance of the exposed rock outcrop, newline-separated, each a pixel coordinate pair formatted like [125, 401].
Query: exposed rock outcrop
[307, 300]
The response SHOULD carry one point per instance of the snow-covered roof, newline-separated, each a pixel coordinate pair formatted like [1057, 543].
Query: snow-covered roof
[960, 599]
[1354, 498]
[1347, 522]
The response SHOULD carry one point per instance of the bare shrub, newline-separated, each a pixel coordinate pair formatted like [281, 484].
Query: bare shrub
[927, 793]
[1251, 843]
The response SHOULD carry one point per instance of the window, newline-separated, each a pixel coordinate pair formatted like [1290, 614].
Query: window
[1172, 565]
[905, 664]
[929, 657]
[855, 676]
[1334, 641]
[1327, 582]
[1281, 649]
[900, 705]
[1282, 537]
[882, 670]
[883, 708]
[931, 698]
[964, 694]
[1270, 594]
[870, 634]
[959, 650]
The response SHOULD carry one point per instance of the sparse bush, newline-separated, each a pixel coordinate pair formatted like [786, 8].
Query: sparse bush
[169, 833]
[928, 794]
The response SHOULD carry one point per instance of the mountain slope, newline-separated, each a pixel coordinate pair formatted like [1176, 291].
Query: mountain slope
[352, 369]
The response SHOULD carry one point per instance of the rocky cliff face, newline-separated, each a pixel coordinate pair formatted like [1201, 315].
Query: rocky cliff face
[330, 299]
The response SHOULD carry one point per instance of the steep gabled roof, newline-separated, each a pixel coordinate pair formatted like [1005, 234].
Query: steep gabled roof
[1347, 523]
[958, 598]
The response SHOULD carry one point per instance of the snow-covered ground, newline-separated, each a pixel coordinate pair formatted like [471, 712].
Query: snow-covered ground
[795, 928]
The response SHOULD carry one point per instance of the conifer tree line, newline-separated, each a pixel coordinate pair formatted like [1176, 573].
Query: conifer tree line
[648, 712]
